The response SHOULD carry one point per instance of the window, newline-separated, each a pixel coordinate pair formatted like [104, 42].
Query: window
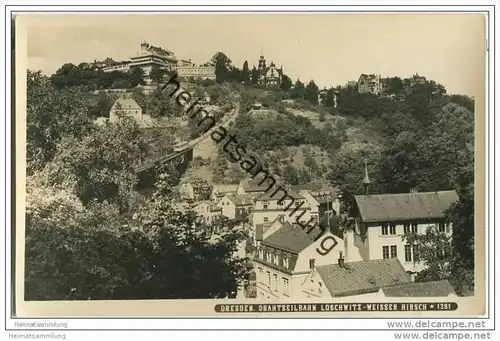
[266, 219]
[448, 228]
[269, 259]
[275, 278]
[266, 204]
[394, 251]
[261, 254]
[297, 203]
[311, 263]
[415, 253]
[408, 258]
[268, 278]
[414, 228]
[406, 227]
[392, 229]
[385, 231]
[261, 272]
[276, 260]
[442, 226]
[385, 252]
[285, 285]
[286, 263]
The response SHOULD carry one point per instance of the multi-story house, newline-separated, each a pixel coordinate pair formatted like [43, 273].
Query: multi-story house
[364, 278]
[371, 84]
[322, 198]
[208, 212]
[264, 230]
[293, 207]
[219, 191]
[236, 207]
[380, 222]
[254, 187]
[195, 190]
[269, 76]
[285, 258]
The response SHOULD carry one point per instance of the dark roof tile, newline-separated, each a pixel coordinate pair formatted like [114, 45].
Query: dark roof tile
[362, 277]
[406, 206]
[424, 289]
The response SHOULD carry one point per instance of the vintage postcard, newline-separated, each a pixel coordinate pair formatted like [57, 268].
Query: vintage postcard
[250, 165]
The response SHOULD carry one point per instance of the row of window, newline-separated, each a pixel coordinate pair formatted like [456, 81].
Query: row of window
[265, 204]
[391, 251]
[273, 283]
[390, 229]
[274, 259]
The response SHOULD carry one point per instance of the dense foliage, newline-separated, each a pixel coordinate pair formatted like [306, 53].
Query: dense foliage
[82, 202]
[83, 205]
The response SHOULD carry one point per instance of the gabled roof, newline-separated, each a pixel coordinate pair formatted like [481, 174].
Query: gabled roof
[362, 277]
[291, 238]
[126, 104]
[199, 184]
[425, 289]
[268, 196]
[222, 190]
[254, 185]
[406, 206]
[371, 77]
[241, 199]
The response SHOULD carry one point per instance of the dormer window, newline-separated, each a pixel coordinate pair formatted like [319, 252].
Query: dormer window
[265, 204]
[385, 230]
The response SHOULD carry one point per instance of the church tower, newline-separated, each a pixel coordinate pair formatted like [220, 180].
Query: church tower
[366, 180]
[262, 63]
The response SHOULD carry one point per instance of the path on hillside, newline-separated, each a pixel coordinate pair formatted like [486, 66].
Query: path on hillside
[204, 146]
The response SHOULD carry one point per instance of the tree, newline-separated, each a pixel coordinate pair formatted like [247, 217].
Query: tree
[157, 74]
[298, 90]
[286, 83]
[291, 175]
[136, 76]
[158, 253]
[434, 251]
[254, 75]
[330, 98]
[437, 253]
[101, 165]
[347, 171]
[311, 92]
[245, 73]
[52, 114]
[222, 67]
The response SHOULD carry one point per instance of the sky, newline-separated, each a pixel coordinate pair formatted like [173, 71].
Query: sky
[331, 49]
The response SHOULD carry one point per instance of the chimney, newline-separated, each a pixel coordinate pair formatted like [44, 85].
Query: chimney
[366, 180]
[341, 259]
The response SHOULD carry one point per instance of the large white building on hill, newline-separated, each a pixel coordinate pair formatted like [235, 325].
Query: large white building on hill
[150, 56]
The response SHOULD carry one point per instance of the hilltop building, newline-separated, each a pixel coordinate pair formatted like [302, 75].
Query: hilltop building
[371, 84]
[150, 56]
[269, 76]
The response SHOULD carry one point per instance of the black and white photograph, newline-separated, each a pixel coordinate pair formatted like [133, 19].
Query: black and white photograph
[282, 161]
